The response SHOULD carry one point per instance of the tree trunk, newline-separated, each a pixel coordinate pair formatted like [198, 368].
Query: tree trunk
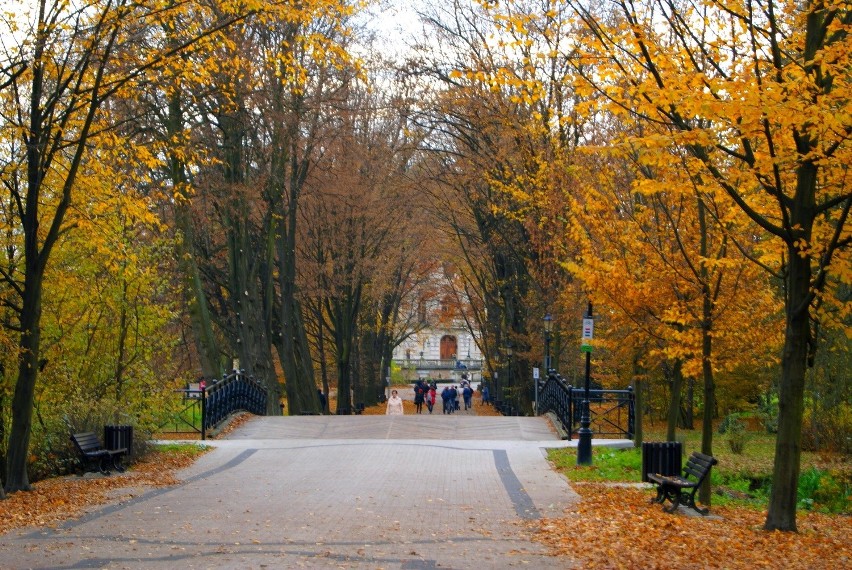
[252, 315]
[344, 314]
[373, 358]
[249, 251]
[294, 353]
[2, 432]
[321, 355]
[198, 309]
[294, 350]
[638, 403]
[689, 405]
[193, 290]
[343, 344]
[24, 395]
[709, 397]
[788, 441]
[676, 381]
[704, 494]
[638, 407]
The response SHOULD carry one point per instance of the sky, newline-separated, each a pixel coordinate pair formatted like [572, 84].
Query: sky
[395, 22]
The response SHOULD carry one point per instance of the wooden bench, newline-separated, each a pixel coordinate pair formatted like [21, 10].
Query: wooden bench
[679, 489]
[93, 453]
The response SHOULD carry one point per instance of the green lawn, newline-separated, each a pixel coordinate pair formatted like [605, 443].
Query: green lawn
[745, 478]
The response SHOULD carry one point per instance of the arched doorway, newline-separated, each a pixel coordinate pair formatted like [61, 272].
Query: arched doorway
[449, 347]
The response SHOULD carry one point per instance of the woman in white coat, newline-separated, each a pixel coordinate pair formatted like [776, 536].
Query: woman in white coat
[394, 405]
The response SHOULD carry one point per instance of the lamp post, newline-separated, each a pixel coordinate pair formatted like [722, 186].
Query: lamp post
[496, 387]
[509, 369]
[584, 445]
[548, 328]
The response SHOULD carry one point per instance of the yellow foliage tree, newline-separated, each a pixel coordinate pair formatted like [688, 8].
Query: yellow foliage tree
[753, 101]
[64, 63]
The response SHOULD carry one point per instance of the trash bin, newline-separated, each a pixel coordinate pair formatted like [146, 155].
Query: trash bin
[663, 457]
[118, 437]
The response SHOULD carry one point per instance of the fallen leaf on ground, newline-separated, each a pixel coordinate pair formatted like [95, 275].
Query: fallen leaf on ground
[617, 527]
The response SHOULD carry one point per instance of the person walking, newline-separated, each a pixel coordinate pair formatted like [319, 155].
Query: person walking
[323, 401]
[394, 405]
[419, 396]
[430, 398]
[445, 398]
[467, 394]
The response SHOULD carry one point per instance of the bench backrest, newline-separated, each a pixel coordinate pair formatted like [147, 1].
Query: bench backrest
[87, 442]
[699, 466]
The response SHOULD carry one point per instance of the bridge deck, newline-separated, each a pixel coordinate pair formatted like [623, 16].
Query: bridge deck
[419, 426]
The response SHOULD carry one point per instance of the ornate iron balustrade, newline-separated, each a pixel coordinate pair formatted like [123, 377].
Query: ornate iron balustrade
[461, 364]
[234, 392]
[612, 411]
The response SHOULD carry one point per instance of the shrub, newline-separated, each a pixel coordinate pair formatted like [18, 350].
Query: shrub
[828, 430]
[768, 412]
[824, 490]
[735, 429]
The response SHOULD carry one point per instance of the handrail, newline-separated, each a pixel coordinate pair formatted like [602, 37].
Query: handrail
[234, 392]
[460, 364]
[564, 401]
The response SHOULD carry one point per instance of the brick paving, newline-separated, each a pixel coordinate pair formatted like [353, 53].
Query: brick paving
[405, 492]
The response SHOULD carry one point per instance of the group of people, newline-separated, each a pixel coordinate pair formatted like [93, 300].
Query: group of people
[424, 393]
[427, 392]
[450, 397]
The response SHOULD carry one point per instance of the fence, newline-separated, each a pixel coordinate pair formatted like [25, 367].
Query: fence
[234, 392]
[612, 412]
[206, 404]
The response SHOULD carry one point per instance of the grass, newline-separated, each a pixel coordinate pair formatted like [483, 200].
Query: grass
[744, 479]
[188, 450]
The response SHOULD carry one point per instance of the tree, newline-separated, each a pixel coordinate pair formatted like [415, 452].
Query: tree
[661, 250]
[754, 94]
[76, 59]
[493, 158]
[240, 121]
[359, 213]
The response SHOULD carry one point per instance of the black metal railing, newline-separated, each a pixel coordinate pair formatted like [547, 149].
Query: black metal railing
[460, 364]
[234, 392]
[188, 418]
[612, 412]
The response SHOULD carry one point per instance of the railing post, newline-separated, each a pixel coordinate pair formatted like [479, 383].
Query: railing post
[203, 412]
[631, 413]
[570, 405]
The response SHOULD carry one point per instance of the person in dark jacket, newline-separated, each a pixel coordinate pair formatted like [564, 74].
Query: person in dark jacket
[419, 396]
[467, 394]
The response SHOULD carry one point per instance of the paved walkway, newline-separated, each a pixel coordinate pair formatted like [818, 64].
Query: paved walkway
[405, 492]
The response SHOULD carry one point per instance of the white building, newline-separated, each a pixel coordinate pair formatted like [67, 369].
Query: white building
[443, 347]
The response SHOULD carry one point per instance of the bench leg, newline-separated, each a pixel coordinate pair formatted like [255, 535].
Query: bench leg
[675, 499]
[668, 493]
[690, 502]
[116, 464]
[104, 468]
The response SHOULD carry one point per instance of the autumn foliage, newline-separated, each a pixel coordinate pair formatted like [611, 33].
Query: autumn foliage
[58, 499]
[616, 526]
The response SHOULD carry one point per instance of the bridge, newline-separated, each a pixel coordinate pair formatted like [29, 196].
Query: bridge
[394, 492]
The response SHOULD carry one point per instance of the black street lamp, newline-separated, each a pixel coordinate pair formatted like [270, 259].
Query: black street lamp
[548, 327]
[584, 445]
[509, 370]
